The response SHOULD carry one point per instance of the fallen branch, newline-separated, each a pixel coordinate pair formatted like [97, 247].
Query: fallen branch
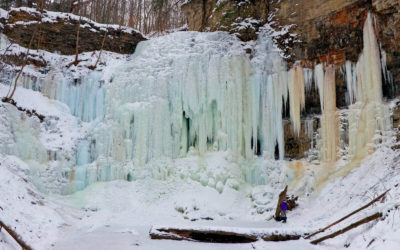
[350, 214]
[354, 225]
[221, 235]
[16, 237]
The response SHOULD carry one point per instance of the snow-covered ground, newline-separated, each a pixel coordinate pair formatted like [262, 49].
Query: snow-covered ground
[119, 214]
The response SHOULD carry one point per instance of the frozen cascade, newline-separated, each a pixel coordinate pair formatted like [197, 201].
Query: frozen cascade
[187, 92]
[85, 98]
[23, 132]
[190, 94]
[368, 116]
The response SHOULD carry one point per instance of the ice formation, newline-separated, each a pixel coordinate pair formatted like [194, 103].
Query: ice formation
[297, 96]
[191, 93]
[368, 116]
[185, 93]
[329, 118]
[195, 98]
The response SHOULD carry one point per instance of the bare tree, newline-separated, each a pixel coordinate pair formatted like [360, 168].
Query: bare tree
[144, 15]
[76, 61]
[101, 50]
[9, 96]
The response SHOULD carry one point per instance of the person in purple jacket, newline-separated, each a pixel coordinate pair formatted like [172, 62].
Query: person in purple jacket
[284, 207]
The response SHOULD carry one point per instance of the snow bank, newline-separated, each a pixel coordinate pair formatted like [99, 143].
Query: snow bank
[36, 219]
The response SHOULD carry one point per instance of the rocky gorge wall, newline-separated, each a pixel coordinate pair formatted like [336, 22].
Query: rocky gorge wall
[310, 32]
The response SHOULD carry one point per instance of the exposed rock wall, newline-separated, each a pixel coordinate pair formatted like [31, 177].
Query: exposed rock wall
[205, 15]
[297, 146]
[57, 32]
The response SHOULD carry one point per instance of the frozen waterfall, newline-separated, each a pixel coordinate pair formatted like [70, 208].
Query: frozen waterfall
[186, 92]
[191, 93]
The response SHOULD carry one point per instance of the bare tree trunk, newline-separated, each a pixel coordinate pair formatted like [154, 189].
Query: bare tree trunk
[122, 14]
[18, 3]
[77, 43]
[101, 50]
[40, 5]
[130, 20]
[16, 237]
[8, 98]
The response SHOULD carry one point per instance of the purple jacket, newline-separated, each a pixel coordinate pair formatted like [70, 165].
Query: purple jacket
[284, 206]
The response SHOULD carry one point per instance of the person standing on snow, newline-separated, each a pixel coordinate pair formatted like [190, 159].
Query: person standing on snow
[284, 207]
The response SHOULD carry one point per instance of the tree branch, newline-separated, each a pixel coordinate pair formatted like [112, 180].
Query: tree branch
[350, 214]
[354, 225]
[16, 237]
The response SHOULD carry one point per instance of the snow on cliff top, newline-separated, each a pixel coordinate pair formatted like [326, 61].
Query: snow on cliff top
[52, 17]
[3, 13]
[56, 61]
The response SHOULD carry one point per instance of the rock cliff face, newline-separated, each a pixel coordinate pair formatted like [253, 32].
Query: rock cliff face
[328, 31]
[205, 15]
[297, 145]
[57, 32]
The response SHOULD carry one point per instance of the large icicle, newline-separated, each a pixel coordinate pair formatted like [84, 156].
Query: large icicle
[319, 82]
[329, 118]
[351, 81]
[297, 96]
[368, 116]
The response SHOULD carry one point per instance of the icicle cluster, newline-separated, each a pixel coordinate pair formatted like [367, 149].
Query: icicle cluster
[368, 116]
